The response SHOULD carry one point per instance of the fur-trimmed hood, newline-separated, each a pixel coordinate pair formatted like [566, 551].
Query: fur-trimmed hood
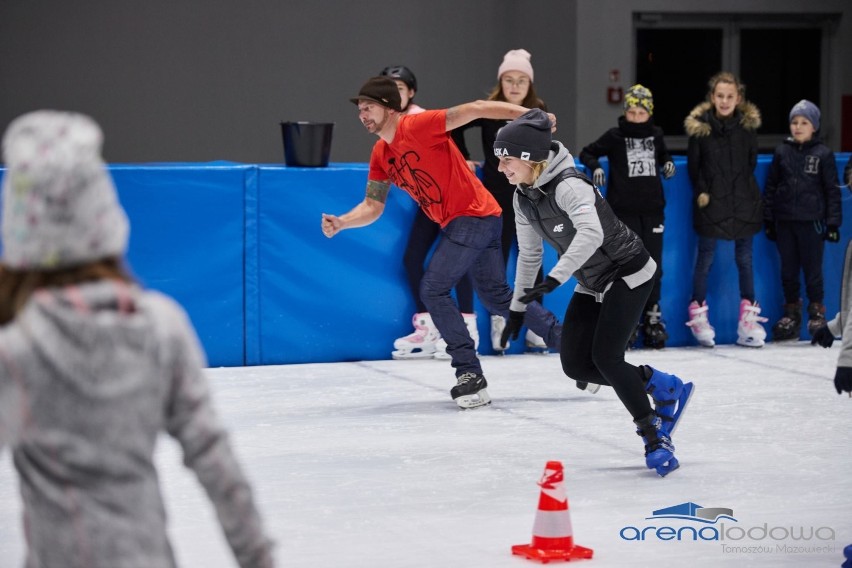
[696, 123]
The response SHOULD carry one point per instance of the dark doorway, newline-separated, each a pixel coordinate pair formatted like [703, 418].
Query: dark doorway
[676, 65]
[780, 67]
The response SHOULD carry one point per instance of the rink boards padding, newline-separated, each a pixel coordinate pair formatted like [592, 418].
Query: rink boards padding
[240, 247]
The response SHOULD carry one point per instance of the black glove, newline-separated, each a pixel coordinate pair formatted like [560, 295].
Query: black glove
[769, 229]
[513, 327]
[668, 169]
[843, 380]
[832, 233]
[822, 336]
[535, 293]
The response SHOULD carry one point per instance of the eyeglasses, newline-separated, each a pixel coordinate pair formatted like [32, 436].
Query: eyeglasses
[516, 83]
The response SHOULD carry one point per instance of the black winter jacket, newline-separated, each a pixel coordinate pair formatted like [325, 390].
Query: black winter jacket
[802, 184]
[635, 153]
[721, 157]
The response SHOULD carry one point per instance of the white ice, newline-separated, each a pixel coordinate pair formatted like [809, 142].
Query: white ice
[371, 464]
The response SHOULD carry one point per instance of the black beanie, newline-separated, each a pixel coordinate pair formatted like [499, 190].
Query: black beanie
[527, 137]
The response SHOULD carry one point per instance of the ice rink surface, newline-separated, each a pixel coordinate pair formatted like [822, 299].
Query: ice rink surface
[370, 464]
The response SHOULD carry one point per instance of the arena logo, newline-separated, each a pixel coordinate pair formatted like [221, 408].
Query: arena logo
[705, 524]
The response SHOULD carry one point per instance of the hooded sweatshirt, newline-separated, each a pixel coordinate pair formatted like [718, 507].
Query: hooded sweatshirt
[586, 229]
[89, 377]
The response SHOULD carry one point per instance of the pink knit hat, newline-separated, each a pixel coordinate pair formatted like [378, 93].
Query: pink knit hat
[516, 60]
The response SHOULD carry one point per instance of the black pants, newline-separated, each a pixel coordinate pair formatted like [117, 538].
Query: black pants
[801, 246]
[650, 230]
[424, 233]
[594, 336]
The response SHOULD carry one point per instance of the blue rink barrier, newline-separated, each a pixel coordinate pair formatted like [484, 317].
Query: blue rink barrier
[240, 247]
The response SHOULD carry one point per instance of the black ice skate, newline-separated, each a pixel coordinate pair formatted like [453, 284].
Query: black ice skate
[816, 317]
[790, 324]
[470, 392]
[654, 328]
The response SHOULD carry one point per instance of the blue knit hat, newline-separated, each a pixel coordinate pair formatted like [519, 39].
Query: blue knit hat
[807, 109]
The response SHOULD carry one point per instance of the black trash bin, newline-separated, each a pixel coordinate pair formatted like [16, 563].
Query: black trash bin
[307, 144]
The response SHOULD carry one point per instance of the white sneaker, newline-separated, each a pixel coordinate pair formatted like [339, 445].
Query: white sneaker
[749, 331]
[421, 343]
[498, 324]
[699, 323]
[535, 342]
[470, 323]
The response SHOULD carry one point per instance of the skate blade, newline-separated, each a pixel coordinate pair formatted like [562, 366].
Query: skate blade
[475, 400]
[403, 355]
[682, 403]
[668, 467]
[592, 388]
[750, 342]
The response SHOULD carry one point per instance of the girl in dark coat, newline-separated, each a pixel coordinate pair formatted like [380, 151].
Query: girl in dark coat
[721, 158]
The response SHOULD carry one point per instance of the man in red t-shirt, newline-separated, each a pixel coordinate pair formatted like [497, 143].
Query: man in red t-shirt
[416, 153]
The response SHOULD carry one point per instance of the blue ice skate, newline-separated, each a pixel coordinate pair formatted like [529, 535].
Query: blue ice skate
[671, 397]
[659, 449]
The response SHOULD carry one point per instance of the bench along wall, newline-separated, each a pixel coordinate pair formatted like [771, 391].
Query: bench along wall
[240, 247]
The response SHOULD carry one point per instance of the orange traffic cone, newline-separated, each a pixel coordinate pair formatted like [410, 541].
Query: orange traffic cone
[553, 537]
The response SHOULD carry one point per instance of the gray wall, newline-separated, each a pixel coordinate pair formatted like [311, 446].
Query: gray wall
[203, 80]
[199, 80]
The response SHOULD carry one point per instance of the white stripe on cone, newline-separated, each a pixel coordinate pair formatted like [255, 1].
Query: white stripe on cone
[553, 524]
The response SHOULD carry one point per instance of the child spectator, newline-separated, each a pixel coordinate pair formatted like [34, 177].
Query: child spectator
[514, 85]
[801, 211]
[721, 157]
[92, 368]
[425, 341]
[636, 150]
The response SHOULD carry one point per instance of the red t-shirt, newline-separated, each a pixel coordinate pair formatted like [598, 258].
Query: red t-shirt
[425, 162]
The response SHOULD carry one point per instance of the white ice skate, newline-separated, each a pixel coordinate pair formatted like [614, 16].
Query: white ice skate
[421, 343]
[700, 324]
[498, 324]
[470, 323]
[749, 331]
[535, 343]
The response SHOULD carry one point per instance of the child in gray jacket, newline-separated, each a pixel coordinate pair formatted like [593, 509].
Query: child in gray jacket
[92, 368]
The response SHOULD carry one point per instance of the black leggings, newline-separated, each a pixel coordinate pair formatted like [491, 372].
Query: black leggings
[594, 337]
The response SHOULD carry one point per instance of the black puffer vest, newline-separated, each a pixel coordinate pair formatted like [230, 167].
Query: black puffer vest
[621, 252]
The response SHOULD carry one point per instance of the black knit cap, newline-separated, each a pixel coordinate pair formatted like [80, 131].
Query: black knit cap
[527, 137]
[382, 90]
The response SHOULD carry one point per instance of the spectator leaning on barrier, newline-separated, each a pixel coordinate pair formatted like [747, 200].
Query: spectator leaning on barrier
[636, 151]
[514, 85]
[415, 153]
[727, 205]
[801, 211]
[92, 368]
[425, 341]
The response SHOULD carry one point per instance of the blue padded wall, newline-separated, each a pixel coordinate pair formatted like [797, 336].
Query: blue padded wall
[240, 247]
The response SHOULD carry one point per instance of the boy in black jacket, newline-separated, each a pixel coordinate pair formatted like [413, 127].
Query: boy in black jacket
[802, 209]
[635, 150]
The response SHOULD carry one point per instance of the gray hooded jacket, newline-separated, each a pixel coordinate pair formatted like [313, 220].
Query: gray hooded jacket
[581, 237]
[841, 325]
[89, 377]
